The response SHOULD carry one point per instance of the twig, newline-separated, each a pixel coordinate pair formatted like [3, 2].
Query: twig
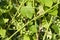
[31, 20]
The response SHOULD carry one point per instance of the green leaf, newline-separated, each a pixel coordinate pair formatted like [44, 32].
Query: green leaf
[26, 37]
[27, 11]
[2, 32]
[31, 23]
[3, 21]
[6, 20]
[22, 1]
[54, 13]
[54, 1]
[48, 3]
[55, 28]
[29, 3]
[44, 23]
[33, 29]
[54, 37]
[42, 1]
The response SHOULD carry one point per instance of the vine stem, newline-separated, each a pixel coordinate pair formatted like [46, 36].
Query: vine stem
[18, 8]
[31, 20]
[48, 25]
[35, 20]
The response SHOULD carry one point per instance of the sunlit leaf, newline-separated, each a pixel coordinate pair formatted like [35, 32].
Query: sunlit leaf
[42, 1]
[6, 20]
[54, 13]
[26, 37]
[54, 1]
[48, 3]
[2, 32]
[27, 11]
[33, 29]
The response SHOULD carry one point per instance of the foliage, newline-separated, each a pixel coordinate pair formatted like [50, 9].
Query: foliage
[29, 19]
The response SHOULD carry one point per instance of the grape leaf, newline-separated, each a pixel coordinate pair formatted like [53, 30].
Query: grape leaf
[27, 11]
[26, 37]
[48, 3]
[42, 1]
[33, 29]
[3, 21]
[54, 1]
[2, 32]
[54, 13]
[55, 28]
